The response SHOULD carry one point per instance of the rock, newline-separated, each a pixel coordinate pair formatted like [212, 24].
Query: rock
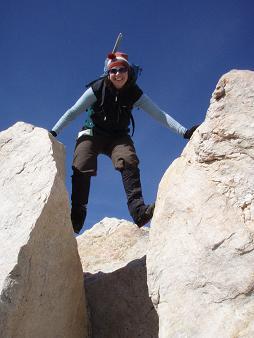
[41, 280]
[113, 256]
[201, 253]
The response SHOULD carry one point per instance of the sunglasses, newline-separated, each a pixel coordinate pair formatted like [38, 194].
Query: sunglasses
[118, 70]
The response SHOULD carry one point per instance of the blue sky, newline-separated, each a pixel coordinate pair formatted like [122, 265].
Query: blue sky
[51, 49]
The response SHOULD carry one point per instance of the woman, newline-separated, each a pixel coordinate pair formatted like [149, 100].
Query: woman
[109, 101]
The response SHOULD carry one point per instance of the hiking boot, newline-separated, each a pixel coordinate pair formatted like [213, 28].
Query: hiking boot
[146, 216]
[78, 216]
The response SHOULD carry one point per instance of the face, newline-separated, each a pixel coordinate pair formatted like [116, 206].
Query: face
[118, 76]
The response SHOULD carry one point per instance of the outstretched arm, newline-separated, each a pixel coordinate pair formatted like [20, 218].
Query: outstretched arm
[146, 104]
[83, 103]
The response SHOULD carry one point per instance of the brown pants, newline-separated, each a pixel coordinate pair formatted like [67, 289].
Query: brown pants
[121, 150]
[123, 155]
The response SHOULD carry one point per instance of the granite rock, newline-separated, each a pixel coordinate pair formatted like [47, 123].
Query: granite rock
[41, 279]
[113, 256]
[201, 253]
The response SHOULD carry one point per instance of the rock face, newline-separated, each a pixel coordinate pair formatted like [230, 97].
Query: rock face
[113, 255]
[201, 254]
[41, 279]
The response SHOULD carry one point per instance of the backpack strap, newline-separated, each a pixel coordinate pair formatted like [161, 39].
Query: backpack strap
[133, 124]
[92, 82]
[103, 93]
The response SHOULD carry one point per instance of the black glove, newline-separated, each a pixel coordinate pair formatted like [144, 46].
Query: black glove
[190, 131]
[52, 132]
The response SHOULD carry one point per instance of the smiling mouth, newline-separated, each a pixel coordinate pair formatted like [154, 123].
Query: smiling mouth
[119, 80]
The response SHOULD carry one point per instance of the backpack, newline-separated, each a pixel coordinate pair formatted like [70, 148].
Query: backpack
[136, 71]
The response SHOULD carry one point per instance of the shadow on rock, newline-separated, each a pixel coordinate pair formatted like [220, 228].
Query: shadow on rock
[119, 304]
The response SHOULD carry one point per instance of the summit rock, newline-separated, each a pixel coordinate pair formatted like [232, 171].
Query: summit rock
[200, 259]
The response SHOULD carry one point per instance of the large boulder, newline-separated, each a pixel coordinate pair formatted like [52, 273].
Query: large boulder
[113, 255]
[41, 279]
[201, 254]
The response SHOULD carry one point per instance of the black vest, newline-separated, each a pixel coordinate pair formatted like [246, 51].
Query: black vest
[112, 110]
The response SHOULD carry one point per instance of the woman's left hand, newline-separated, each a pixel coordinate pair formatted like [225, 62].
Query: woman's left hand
[190, 131]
